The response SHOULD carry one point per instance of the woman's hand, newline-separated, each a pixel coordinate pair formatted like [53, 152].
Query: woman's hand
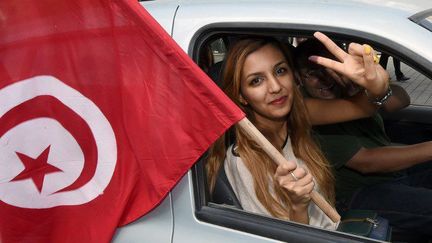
[299, 184]
[358, 65]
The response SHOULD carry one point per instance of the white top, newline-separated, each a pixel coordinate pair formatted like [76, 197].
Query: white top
[242, 183]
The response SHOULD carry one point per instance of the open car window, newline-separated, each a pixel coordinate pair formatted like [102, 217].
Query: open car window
[216, 43]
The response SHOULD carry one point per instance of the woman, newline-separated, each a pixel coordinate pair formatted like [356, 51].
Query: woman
[259, 77]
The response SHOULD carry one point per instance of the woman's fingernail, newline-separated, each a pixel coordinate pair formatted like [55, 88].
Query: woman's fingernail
[367, 49]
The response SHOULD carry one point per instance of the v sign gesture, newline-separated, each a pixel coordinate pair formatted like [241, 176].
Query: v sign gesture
[358, 65]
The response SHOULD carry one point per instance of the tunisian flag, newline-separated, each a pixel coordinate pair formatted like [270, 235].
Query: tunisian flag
[101, 113]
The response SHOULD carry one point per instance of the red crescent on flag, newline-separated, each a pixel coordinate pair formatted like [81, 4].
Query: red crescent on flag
[50, 107]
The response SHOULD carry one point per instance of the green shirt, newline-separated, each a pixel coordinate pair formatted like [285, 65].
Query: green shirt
[341, 141]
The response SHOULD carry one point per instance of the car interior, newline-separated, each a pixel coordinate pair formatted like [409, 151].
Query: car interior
[407, 126]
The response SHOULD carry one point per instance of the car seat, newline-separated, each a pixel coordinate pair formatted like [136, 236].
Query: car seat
[215, 72]
[223, 192]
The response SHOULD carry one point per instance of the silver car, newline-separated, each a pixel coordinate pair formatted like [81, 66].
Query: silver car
[400, 28]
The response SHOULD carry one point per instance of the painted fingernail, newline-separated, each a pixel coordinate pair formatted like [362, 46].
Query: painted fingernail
[376, 58]
[367, 49]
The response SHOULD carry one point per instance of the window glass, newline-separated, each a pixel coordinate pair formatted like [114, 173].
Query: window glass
[218, 49]
[427, 23]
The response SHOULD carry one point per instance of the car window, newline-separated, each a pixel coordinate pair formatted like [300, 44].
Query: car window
[219, 49]
[427, 23]
[418, 86]
[423, 19]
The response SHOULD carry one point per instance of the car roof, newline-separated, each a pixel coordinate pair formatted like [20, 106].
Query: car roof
[366, 14]
[386, 19]
[403, 7]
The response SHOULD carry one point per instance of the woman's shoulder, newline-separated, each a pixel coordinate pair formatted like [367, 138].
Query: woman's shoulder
[237, 172]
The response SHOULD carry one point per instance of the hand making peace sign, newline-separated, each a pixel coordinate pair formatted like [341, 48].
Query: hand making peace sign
[358, 65]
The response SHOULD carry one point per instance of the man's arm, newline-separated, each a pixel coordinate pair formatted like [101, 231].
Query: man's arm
[323, 112]
[390, 158]
[399, 99]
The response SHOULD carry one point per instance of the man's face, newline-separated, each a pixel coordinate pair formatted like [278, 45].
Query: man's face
[319, 83]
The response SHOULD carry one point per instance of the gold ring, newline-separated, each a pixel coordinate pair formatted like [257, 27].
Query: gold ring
[295, 177]
[376, 58]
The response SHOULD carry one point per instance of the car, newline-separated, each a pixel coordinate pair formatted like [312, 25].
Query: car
[403, 29]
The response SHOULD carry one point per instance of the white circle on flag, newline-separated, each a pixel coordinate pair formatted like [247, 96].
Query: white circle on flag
[31, 137]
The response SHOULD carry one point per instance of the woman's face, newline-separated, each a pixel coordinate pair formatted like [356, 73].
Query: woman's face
[267, 84]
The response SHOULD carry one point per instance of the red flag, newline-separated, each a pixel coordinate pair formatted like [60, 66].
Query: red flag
[101, 113]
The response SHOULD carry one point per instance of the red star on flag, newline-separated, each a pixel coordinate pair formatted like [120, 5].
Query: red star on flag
[36, 169]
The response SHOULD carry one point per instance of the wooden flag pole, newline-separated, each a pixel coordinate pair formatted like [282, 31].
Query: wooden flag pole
[277, 157]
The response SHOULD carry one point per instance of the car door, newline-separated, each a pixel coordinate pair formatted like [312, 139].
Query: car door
[225, 29]
[195, 217]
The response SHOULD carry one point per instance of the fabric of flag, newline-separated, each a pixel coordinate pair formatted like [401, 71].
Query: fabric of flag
[101, 114]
